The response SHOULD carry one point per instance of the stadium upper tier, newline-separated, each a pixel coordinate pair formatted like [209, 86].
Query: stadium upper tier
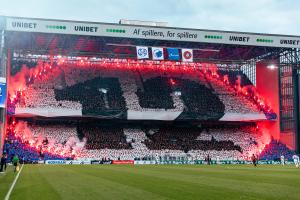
[144, 93]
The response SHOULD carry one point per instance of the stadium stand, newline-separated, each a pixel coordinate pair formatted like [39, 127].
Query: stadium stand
[199, 100]
[274, 150]
[18, 64]
[87, 140]
[14, 145]
[104, 138]
[155, 93]
[95, 96]
[234, 103]
[185, 139]
[97, 91]
[92, 90]
[233, 77]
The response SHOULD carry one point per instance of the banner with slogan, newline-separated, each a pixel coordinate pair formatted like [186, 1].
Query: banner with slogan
[157, 53]
[148, 32]
[142, 52]
[173, 53]
[187, 55]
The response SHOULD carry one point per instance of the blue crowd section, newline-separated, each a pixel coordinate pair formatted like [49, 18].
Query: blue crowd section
[275, 150]
[15, 146]
[99, 96]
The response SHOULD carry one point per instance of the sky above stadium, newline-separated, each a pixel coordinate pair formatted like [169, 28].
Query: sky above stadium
[263, 16]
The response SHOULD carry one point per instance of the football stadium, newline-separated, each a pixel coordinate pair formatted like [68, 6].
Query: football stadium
[140, 110]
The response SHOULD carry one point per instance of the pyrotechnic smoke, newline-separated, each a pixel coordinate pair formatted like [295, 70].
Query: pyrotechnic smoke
[213, 68]
[73, 145]
[22, 131]
[19, 81]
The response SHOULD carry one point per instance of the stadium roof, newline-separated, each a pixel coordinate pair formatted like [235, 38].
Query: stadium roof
[119, 40]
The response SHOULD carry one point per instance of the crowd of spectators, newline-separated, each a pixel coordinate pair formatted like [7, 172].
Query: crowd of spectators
[96, 95]
[187, 139]
[14, 145]
[189, 96]
[16, 65]
[54, 134]
[129, 85]
[248, 138]
[133, 88]
[199, 100]
[104, 137]
[42, 97]
[136, 137]
[233, 77]
[234, 103]
[89, 140]
[275, 150]
[223, 143]
[155, 94]
[94, 90]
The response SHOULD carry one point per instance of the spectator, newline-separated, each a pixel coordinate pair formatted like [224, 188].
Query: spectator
[3, 163]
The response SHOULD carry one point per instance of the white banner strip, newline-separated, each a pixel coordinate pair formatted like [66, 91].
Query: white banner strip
[143, 32]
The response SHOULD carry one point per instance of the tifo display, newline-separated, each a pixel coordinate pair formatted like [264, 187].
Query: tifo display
[90, 93]
[124, 89]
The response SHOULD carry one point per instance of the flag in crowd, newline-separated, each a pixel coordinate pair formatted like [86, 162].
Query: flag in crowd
[158, 53]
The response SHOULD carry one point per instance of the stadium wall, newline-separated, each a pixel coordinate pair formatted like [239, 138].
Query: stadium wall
[3, 97]
[267, 85]
[288, 139]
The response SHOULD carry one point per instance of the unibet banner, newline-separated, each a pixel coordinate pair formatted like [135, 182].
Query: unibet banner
[148, 32]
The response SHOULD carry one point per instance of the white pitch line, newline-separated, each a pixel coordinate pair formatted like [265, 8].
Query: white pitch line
[13, 184]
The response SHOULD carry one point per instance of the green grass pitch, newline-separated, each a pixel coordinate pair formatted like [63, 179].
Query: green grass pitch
[42, 182]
